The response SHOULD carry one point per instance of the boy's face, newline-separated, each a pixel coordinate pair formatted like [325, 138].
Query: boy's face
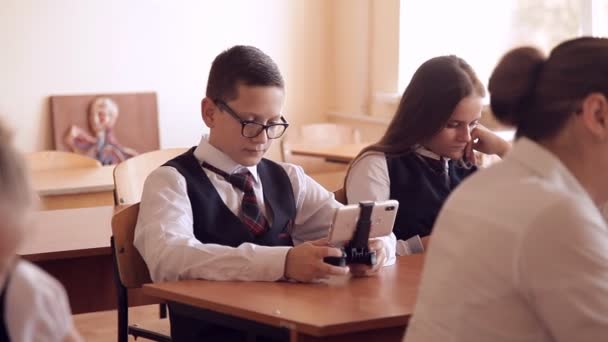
[262, 104]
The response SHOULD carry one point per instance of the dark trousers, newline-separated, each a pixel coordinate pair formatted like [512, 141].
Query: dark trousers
[187, 329]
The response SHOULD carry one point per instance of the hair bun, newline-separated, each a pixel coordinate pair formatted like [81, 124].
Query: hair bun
[513, 82]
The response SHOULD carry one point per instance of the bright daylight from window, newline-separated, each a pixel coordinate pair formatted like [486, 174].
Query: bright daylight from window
[481, 31]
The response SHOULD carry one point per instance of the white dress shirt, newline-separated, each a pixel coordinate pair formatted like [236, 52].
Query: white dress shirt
[37, 307]
[519, 252]
[368, 180]
[164, 233]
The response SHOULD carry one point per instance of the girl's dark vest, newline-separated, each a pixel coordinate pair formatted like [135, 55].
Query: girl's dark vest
[215, 223]
[420, 185]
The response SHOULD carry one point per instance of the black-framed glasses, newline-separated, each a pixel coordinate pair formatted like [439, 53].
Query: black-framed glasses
[251, 129]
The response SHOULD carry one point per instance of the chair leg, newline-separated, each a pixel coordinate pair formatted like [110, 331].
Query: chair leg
[162, 307]
[123, 317]
[122, 301]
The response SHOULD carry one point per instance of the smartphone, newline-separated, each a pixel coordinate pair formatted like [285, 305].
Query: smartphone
[345, 221]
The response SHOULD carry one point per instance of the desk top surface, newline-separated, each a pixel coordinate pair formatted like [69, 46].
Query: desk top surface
[73, 181]
[343, 153]
[357, 304]
[68, 233]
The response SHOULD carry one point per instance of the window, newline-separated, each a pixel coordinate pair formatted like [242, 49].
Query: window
[481, 31]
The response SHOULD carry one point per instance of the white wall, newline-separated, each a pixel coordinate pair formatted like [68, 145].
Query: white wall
[365, 54]
[364, 64]
[71, 46]
[350, 58]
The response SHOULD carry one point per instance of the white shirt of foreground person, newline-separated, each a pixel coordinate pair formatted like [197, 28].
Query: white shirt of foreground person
[36, 306]
[164, 233]
[519, 253]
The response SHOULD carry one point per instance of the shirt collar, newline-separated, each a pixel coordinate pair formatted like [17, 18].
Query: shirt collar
[205, 152]
[545, 164]
[423, 151]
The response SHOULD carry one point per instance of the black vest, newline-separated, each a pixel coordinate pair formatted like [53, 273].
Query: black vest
[420, 185]
[215, 223]
[3, 328]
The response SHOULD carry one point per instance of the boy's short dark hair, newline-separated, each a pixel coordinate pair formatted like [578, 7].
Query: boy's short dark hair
[241, 64]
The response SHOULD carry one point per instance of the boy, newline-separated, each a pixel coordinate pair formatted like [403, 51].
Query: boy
[222, 212]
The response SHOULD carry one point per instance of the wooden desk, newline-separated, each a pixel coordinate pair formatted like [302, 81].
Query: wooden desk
[363, 309]
[73, 245]
[74, 188]
[336, 153]
[69, 233]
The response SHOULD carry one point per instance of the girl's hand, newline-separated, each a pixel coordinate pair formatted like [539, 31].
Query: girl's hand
[486, 141]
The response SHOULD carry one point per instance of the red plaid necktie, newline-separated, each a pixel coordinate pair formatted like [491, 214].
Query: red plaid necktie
[251, 213]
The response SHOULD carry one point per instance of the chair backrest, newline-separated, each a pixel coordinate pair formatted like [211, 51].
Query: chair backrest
[55, 160]
[329, 134]
[130, 175]
[136, 126]
[132, 269]
[325, 134]
[340, 196]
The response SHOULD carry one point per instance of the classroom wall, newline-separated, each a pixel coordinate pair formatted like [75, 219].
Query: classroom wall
[70, 47]
[349, 61]
[364, 64]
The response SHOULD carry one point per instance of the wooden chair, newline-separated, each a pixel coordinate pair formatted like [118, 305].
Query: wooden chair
[49, 162]
[130, 175]
[340, 196]
[55, 160]
[324, 134]
[329, 174]
[131, 272]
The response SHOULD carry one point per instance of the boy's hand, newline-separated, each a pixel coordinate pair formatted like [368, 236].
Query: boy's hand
[305, 262]
[374, 245]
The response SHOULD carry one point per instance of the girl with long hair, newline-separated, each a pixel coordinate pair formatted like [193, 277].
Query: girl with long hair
[427, 149]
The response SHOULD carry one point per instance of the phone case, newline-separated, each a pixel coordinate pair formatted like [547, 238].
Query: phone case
[345, 221]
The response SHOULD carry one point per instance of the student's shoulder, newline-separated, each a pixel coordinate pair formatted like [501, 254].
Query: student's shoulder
[164, 171]
[370, 159]
[164, 174]
[38, 304]
[565, 224]
[298, 177]
[292, 170]
[32, 283]
[564, 206]
[296, 173]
